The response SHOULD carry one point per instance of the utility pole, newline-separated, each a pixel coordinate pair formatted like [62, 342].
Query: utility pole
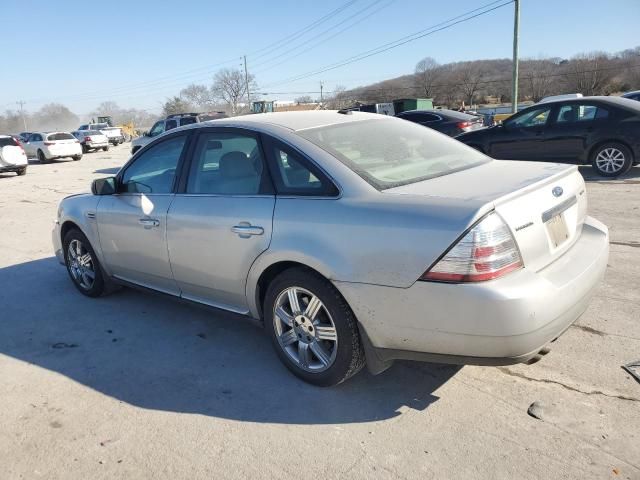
[321, 85]
[514, 75]
[24, 121]
[246, 81]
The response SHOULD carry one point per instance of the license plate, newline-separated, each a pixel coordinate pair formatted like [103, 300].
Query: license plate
[557, 228]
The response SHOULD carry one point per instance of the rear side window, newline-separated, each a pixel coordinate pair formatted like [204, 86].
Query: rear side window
[60, 136]
[7, 142]
[227, 164]
[580, 113]
[169, 124]
[188, 120]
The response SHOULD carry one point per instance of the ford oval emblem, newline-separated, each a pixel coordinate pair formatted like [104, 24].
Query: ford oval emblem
[557, 191]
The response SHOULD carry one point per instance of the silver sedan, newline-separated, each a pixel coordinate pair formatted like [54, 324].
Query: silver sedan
[355, 238]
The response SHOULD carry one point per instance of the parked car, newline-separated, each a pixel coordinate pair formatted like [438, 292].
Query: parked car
[47, 146]
[113, 134]
[635, 95]
[24, 136]
[12, 156]
[171, 122]
[352, 236]
[564, 96]
[603, 131]
[449, 122]
[91, 140]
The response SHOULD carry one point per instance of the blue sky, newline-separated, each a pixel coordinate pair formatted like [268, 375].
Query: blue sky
[139, 52]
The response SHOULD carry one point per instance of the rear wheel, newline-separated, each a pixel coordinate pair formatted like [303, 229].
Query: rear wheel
[41, 157]
[85, 149]
[612, 159]
[312, 328]
[106, 149]
[22, 171]
[76, 157]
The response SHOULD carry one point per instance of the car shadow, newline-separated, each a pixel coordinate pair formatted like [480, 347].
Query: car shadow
[108, 171]
[590, 175]
[154, 352]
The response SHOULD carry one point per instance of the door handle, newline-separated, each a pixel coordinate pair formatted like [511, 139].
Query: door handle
[246, 229]
[149, 222]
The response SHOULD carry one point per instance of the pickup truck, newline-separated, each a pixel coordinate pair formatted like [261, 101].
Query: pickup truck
[114, 134]
[91, 140]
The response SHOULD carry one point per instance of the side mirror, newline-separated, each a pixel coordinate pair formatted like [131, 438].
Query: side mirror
[104, 186]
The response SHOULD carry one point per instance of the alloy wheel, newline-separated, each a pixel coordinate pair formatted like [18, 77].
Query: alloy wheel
[305, 330]
[610, 160]
[81, 264]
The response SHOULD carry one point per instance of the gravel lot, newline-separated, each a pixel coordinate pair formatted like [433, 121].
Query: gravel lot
[138, 386]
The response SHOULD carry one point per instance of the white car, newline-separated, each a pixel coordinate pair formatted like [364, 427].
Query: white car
[113, 134]
[12, 156]
[52, 145]
[91, 140]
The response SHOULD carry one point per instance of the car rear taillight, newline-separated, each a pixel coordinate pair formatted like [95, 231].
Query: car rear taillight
[87, 139]
[485, 252]
[49, 143]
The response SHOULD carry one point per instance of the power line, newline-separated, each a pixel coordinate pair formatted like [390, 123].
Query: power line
[286, 52]
[401, 41]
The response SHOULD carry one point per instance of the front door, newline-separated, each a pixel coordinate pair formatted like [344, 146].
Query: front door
[521, 137]
[222, 220]
[132, 224]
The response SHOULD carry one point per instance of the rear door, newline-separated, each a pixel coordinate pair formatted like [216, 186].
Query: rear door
[521, 136]
[567, 135]
[132, 224]
[222, 218]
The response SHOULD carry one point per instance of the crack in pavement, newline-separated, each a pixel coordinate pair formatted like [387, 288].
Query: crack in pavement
[626, 244]
[600, 333]
[509, 372]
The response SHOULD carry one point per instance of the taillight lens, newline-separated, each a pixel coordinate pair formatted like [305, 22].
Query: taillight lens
[87, 139]
[486, 252]
[49, 143]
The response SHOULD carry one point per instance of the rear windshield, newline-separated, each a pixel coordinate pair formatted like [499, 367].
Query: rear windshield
[7, 142]
[60, 136]
[390, 153]
[99, 126]
[94, 132]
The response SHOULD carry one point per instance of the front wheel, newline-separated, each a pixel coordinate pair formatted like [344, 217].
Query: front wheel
[82, 264]
[612, 159]
[312, 328]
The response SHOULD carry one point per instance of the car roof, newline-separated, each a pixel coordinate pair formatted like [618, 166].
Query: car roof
[632, 92]
[625, 103]
[293, 120]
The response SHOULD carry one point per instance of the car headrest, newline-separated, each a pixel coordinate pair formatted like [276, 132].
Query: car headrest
[237, 165]
[567, 116]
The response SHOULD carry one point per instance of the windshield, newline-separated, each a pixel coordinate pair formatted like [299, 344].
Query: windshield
[389, 153]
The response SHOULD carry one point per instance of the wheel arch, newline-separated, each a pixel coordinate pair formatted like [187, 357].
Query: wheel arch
[598, 144]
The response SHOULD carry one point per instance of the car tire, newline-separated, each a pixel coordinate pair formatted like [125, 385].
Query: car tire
[106, 149]
[76, 157]
[85, 149]
[80, 267]
[22, 171]
[611, 159]
[41, 157]
[317, 339]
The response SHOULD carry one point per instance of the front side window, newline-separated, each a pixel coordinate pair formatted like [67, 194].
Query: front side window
[170, 124]
[35, 138]
[226, 164]
[533, 118]
[157, 129]
[388, 153]
[154, 170]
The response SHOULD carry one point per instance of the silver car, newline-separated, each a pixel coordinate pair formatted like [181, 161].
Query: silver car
[356, 238]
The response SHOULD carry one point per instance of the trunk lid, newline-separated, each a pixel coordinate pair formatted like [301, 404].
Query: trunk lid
[544, 204]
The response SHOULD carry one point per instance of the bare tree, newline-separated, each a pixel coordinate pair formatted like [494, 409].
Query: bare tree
[198, 95]
[589, 74]
[537, 79]
[427, 73]
[230, 87]
[469, 75]
[304, 99]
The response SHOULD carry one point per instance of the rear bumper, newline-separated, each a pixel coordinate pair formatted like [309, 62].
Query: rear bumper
[12, 168]
[492, 323]
[96, 144]
[70, 151]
